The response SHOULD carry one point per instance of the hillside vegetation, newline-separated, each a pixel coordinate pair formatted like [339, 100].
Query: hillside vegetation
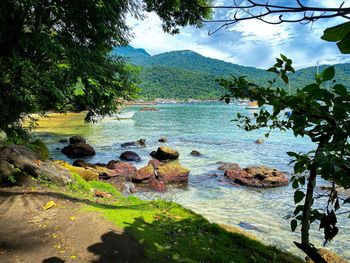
[187, 74]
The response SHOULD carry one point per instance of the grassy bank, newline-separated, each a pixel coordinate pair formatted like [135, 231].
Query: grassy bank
[171, 233]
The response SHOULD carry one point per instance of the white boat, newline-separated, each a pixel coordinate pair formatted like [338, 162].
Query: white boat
[120, 115]
[242, 102]
[115, 116]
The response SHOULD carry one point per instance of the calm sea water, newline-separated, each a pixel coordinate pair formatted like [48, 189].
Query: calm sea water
[207, 128]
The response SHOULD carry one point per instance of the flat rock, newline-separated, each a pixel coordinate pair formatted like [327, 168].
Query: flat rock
[257, 176]
[173, 172]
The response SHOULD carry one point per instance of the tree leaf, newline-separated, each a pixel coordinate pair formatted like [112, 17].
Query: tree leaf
[273, 69]
[336, 33]
[292, 154]
[298, 196]
[340, 90]
[328, 73]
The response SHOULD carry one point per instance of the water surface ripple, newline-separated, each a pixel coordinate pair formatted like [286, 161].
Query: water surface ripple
[208, 128]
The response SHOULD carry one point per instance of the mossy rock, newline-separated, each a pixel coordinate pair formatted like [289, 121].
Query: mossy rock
[86, 174]
[40, 148]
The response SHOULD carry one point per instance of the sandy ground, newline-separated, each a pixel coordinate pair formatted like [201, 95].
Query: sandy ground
[28, 233]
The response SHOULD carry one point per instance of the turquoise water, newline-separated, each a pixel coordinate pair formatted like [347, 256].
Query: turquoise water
[208, 129]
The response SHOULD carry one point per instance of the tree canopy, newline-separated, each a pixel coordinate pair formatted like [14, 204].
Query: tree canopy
[55, 55]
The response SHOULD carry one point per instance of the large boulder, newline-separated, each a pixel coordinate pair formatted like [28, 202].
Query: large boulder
[130, 156]
[257, 176]
[165, 154]
[28, 164]
[78, 150]
[173, 172]
[145, 175]
[122, 170]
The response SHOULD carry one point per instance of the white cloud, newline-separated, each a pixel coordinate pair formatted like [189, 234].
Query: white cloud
[249, 43]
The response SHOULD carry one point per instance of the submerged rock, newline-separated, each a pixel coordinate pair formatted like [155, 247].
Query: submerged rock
[140, 142]
[157, 185]
[130, 156]
[63, 141]
[257, 176]
[165, 154]
[229, 166]
[196, 153]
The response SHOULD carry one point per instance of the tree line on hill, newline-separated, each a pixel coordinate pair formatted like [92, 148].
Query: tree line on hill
[187, 74]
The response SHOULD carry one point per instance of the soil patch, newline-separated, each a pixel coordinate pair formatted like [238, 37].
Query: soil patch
[63, 233]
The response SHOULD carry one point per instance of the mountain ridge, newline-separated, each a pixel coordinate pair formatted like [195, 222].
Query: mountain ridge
[160, 74]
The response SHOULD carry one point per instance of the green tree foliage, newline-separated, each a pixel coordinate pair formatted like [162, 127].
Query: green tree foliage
[171, 82]
[321, 114]
[56, 54]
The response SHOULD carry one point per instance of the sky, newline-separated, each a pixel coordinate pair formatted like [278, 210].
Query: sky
[248, 43]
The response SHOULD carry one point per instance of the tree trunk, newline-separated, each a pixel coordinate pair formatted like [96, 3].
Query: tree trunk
[305, 223]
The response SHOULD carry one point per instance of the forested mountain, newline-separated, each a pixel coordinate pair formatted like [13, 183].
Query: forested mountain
[187, 74]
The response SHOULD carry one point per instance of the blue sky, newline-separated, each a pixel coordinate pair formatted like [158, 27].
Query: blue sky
[248, 43]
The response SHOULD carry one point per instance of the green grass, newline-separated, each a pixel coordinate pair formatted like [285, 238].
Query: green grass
[170, 233]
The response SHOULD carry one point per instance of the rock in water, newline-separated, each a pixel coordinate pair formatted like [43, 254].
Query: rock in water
[165, 154]
[229, 166]
[121, 169]
[173, 172]
[257, 176]
[259, 141]
[145, 175]
[130, 156]
[162, 139]
[76, 139]
[196, 153]
[78, 150]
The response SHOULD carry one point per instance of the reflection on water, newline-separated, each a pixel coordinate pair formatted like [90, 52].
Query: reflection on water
[208, 129]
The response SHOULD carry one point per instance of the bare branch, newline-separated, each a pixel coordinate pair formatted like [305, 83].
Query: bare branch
[265, 12]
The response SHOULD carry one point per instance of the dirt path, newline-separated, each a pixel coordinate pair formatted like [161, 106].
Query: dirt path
[60, 234]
